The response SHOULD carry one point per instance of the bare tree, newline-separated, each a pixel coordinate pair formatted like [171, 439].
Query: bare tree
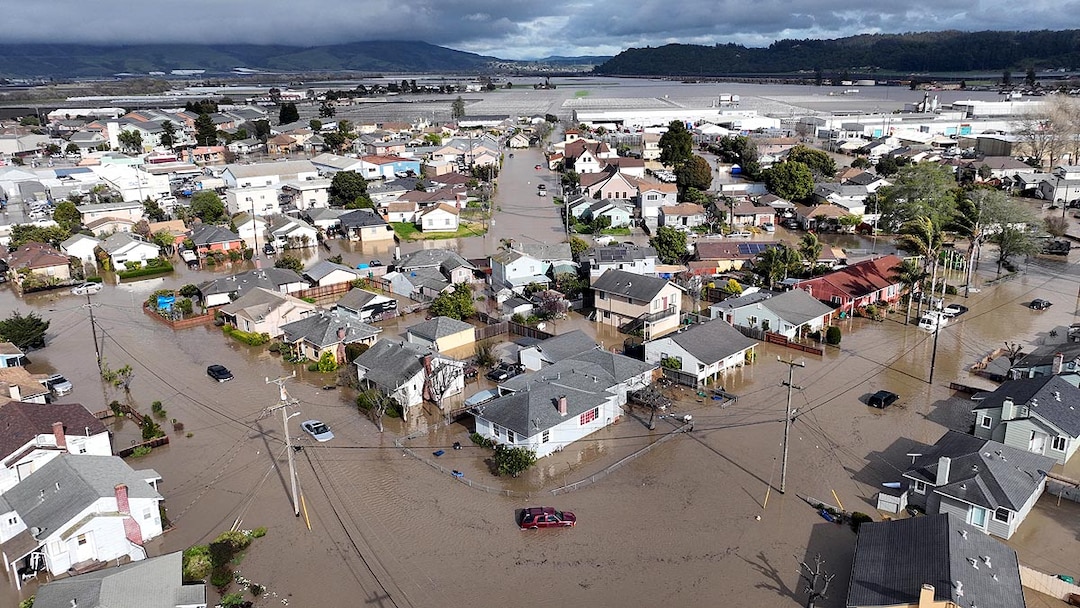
[441, 378]
[1065, 113]
[1040, 135]
[376, 404]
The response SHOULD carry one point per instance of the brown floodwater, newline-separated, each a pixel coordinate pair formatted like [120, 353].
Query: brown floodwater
[677, 526]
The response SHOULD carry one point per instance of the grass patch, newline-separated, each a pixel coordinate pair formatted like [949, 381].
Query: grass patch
[619, 231]
[580, 94]
[409, 232]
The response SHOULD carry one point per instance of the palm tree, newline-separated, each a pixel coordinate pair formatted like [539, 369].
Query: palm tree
[777, 262]
[910, 275]
[923, 237]
[810, 248]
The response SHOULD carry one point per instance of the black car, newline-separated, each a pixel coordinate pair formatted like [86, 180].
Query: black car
[374, 263]
[503, 372]
[269, 249]
[1040, 304]
[219, 373]
[882, 399]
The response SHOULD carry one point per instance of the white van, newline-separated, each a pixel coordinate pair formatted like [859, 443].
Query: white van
[932, 321]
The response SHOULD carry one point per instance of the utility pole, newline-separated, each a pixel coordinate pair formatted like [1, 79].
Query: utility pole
[788, 416]
[283, 405]
[93, 330]
[812, 577]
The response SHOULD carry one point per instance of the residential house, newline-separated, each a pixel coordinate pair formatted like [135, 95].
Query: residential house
[292, 233]
[175, 229]
[366, 226]
[325, 219]
[262, 311]
[1059, 359]
[623, 256]
[220, 291]
[652, 195]
[521, 264]
[700, 353]
[634, 302]
[127, 249]
[257, 200]
[251, 228]
[934, 561]
[409, 373]
[547, 410]
[441, 334]
[633, 167]
[454, 196]
[452, 266]
[555, 349]
[242, 147]
[517, 141]
[126, 587]
[80, 246]
[325, 273]
[307, 194]
[850, 197]
[650, 146]
[1038, 415]
[268, 174]
[105, 226]
[619, 213]
[374, 167]
[77, 510]
[329, 164]
[747, 213]
[33, 435]
[792, 313]
[686, 216]
[207, 155]
[368, 306]
[868, 180]
[857, 285]
[210, 237]
[421, 284]
[327, 331]
[132, 211]
[18, 384]
[1062, 185]
[585, 156]
[819, 217]
[984, 483]
[383, 193]
[11, 355]
[717, 256]
[438, 218]
[39, 264]
[403, 211]
[609, 184]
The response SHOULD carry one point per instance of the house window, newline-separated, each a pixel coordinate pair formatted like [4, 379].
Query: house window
[589, 416]
[607, 314]
[977, 517]
[920, 487]
[545, 437]
[509, 436]
[498, 431]
[147, 513]
[986, 422]
[1002, 514]
[12, 521]
[1060, 443]
[82, 539]
[602, 295]
[835, 300]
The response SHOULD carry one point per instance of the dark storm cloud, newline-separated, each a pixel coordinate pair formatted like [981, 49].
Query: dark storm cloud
[511, 28]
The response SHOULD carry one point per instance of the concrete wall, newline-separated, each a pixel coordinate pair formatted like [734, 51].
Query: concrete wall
[1046, 584]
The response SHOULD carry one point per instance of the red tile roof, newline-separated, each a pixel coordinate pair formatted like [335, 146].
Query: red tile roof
[863, 278]
[36, 255]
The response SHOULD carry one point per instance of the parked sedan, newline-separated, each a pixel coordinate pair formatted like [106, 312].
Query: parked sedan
[882, 399]
[546, 517]
[954, 310]
[1040, 304]
[503, 371]
[86, 289]
[317, 429]
[58, 384]
[219, 373]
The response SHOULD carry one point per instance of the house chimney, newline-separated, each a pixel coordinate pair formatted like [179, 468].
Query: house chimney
[944, 463]
[14, 392]
[1059, 362]
[341, 333]
[58, 433]
[1008, 409]
[131, 527]
[562, 405]
[926, 596]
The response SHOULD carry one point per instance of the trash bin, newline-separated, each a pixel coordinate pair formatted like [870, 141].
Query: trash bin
[1066, 578]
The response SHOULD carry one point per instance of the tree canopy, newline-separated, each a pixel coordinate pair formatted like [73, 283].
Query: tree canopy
[207, 206]
[676, 145]
[456, 304]
[288, 114]
[205, 131]
[821, 165]
[695, 174]
[920, 190]
[457, 109]
[670, 244]
[346, 187]
[790, 179]
[26, 332]
[67, 216]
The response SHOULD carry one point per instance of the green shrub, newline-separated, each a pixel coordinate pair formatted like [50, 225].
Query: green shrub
[352, 351]
[221, 577]
[141, 451]
[197, 564]
[832, 335]
[27, 603]
[950, 290]
[153, 267]
[247, 337]
[256, 589]
[313, 367]
[327, 363]
[858, 519]
[276, 348]
[232, 600]
[513, 461]
[235, 540]
[480, 440]
[258, 532]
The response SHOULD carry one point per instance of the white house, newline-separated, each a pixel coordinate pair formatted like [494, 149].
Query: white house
[78, 510]
[700, 353]
[82, 247]
[95, 211]
[308, 194]
[124, 247]
[268, 174]
[31, 435]
[790, 313]
[410, 373]
[438, 218]
[250, 228]
[290, 233]
[325, 273]
[258, 200]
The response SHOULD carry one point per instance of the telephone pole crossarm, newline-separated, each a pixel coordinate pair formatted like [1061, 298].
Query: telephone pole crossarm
[788, 416]
[283, 405]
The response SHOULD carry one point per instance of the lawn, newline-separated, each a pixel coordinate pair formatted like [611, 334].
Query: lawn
[409, 232]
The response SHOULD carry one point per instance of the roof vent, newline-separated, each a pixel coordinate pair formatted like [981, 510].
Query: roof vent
[986, 560]
[1057, 395]
[974, 562]
[959, 587]
[963, 533]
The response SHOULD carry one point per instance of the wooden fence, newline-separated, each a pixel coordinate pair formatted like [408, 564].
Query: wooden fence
[324, 293]
[492, 330]
[780, 339]
[153, 443]
[180, 323]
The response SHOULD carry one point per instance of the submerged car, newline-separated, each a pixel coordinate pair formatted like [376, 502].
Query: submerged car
[58, 384]
[503, 371]
[534, 518]
[317, 429]
[86, 289]
[219, 373]
[882, 399]
[954, 310]
[1040, 304]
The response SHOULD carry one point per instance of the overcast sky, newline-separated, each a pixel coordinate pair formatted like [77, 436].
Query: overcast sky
[512, 29]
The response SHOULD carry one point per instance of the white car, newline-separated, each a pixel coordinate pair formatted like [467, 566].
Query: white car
[86, 289]
[317, 429]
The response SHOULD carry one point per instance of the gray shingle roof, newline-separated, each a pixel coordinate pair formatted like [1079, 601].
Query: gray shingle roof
[438, 327]
[257, 303]
[359, 218]
[390, 363]
[206, 234]
[796, 306]
[125, 587]
[611, 254]
[564, 346]
[71, 484]
[743, 300]
[432, 258]
[241, 283]
[982, 472]
[291, 167]
[545, 252]
[894, 559]
[325, 267]
[534, 408]
[1048, 397]
[711, 341]
[634, 286]
[323, 329]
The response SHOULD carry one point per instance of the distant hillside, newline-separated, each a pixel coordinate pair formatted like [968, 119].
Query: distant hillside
[899, 53]
[77, 60]
[584, 59]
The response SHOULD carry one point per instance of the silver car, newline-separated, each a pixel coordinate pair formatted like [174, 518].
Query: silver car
[86, 289]
[317, 429]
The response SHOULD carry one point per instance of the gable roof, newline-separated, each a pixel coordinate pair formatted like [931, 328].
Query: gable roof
[357, 299]
[124, 240]
[22, 422]
[894, 559]
[328, 327]
[391, 363]
[615, 253]
[796, 306]
[438, 327]
[36, 255]
[565, 346]
[125, 587]
[862, 278]
[1048, 397]
[240, 283]
[322, 268]
[534, 409]
[208, 234]
[982, 472]
[432, 258]
[259, 302]
[634, 286]
[359, 218]
[70, 484]
[290, 167]
[711, 341]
